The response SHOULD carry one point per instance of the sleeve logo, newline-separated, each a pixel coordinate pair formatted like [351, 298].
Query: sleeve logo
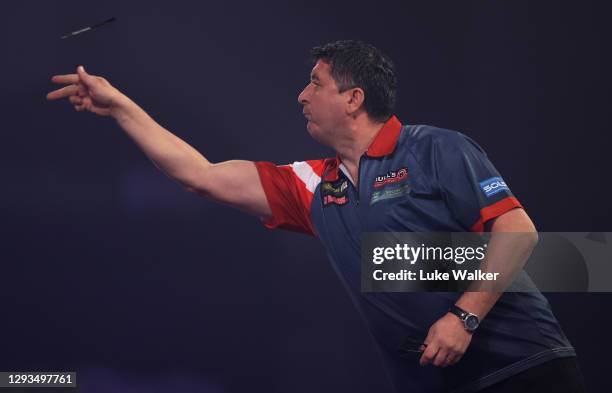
[493, 185]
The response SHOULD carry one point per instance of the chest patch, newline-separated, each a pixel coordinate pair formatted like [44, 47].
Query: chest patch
[391, 177]
[389, 193]
[335, 192]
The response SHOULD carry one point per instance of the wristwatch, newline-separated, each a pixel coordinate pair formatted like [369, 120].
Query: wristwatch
[470, 321]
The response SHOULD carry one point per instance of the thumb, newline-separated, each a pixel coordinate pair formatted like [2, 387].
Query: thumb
[84, 76]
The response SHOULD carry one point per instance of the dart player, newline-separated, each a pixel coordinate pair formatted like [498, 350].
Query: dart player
[430, 342]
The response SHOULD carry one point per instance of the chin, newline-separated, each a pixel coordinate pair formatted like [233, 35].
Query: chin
[315, 132]
[312, 130]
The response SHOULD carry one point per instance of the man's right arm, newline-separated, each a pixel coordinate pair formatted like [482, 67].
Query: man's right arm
[235, 183]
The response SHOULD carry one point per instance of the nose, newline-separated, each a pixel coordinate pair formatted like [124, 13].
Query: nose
[302, 96]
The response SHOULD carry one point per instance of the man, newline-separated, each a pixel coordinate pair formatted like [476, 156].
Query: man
[439, 180]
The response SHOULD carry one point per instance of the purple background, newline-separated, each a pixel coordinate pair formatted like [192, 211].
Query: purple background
[111, 270]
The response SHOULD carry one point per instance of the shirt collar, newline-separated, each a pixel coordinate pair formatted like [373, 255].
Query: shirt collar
[386, 139]
[383, 144]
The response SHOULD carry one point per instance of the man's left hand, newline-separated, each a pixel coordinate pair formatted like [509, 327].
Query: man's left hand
[446, 342]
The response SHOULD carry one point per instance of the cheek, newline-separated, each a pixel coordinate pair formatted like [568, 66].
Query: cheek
[331, 111]
[324, 106]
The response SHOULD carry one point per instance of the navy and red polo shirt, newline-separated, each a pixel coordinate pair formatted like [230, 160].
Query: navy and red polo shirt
[415, 178]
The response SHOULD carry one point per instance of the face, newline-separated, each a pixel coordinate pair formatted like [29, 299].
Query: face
[324, 106]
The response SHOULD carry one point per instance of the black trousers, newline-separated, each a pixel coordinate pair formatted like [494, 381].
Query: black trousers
[560, 375]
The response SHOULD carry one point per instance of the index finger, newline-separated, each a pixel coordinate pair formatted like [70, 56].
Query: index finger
[429, 354]
[67, 91]
[67, 79]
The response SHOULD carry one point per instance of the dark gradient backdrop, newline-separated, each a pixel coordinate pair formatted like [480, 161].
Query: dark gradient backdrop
[111, 270]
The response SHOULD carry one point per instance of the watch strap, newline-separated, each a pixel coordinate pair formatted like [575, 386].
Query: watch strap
[463, 316]
[458, 311]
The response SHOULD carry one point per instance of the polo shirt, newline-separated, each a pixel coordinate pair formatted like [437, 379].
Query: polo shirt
[415, 178]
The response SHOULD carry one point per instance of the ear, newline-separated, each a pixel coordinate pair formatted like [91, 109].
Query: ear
[356, 98]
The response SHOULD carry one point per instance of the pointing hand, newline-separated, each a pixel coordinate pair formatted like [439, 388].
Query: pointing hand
[86, 92]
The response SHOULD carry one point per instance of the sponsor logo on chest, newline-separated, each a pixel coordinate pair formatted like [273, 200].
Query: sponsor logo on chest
[391, 177]
[335, 192]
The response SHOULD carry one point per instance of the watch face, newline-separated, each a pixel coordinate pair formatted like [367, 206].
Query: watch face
[471, 322]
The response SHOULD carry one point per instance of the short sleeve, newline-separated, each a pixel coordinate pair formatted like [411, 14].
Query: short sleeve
[473, 189]
[289, 190]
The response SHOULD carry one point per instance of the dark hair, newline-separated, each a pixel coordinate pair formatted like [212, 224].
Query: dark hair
[358, 64]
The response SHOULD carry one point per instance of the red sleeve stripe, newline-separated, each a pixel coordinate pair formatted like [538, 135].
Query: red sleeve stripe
[307, 181]
[290, 190]
[285, 195]
[495, 210]
[305, 172]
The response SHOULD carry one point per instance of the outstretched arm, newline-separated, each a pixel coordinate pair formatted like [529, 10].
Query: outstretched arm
[235, 183]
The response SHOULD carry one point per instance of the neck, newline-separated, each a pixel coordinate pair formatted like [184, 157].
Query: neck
[356, 139]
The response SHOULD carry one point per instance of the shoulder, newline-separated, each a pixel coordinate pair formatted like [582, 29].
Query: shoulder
[308, 173]
[425, 136]
[310, 167]
[429, 141]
